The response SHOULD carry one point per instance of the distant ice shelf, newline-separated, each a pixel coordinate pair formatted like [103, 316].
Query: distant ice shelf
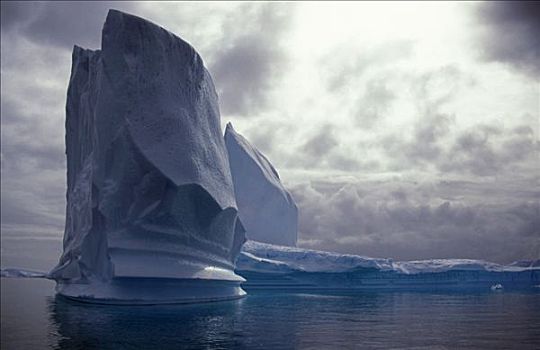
[267, 266]
[21, 273]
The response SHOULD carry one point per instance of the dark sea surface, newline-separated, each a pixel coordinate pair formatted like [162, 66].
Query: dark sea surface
[32, 317]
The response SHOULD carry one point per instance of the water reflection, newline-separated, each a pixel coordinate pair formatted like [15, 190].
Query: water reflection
[267, 320]
[86, 326]
[262, 320]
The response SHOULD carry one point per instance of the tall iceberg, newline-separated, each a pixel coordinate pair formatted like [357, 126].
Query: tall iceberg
[266, 208]
[151, 213]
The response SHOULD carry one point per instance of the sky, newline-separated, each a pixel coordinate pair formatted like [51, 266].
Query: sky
[404, 130]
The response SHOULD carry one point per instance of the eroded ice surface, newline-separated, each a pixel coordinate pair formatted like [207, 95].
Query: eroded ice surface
[150, 194]
[266, 208]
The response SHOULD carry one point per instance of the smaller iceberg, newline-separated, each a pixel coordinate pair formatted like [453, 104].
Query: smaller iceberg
[497, 287]
[266, 208]
[21, 273]
[267, 266]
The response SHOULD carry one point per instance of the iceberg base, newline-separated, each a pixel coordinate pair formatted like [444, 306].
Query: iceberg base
[151, 291]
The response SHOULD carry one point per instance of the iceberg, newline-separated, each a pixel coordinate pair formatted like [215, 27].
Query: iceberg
[266, 266]
[21, 273]
[151, 212]
[266, 208]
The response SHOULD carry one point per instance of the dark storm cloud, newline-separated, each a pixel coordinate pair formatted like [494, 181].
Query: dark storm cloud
[510, 33]
[413, 221]
[58, 23]
[488, 151]
[481, 150]
[250, 59]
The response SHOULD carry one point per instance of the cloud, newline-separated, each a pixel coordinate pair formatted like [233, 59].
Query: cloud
[436, 87]
[324, 150]
[510, 34]
[375, 102]
[32, 164]
[321, 143]
[437, 142]
[13, 13]
[414, 221]
[250, 59]
[489, 151]
[39, 204]
[480, 150]
[343, 70]
[425, 146]
[60, 24]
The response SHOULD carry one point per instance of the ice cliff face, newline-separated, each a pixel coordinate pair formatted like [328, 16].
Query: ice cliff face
[150, 192]
[266, 208]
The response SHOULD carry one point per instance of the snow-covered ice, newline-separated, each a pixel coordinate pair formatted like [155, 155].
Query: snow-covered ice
[278, 267]
[266, 208]
[150, 195]
[21, 273]
[262, 257]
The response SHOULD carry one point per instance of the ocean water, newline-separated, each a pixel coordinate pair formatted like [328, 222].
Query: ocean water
[32, 317]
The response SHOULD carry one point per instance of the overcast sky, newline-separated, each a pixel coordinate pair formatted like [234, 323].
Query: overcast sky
[403, 130]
